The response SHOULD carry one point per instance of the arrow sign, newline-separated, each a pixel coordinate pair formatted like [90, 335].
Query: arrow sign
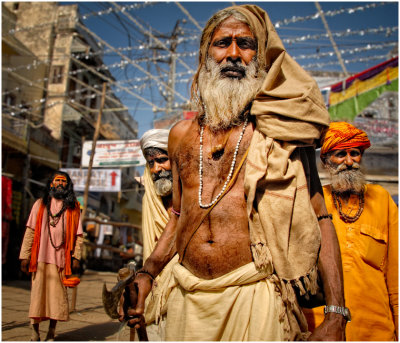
[113, 176]
[102, 180]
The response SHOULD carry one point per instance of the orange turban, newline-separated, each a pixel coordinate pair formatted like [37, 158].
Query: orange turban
[342, 135]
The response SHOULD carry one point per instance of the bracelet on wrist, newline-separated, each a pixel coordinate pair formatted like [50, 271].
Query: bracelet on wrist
[324, 216]
[144, 271]
[177, 213]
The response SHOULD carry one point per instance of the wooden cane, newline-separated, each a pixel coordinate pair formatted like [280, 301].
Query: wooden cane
[73, 298]
[122, 274]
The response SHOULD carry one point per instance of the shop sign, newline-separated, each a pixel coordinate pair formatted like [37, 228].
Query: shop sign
[113, 154]
[101, 180]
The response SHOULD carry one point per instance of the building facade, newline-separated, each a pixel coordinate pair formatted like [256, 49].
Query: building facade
[52, 84]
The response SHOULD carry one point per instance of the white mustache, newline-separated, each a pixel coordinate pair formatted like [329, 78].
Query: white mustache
[343, 167]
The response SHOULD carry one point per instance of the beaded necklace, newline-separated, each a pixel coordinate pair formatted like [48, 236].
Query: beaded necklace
[230, 171]
[55, 219]
[346, 218]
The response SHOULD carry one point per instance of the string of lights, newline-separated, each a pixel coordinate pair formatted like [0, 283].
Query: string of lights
[145, 79]
[142, 82]
[277, 24]
[75, 92]
[347, 61]
[289, 41]
[148, 33]
[116, 10]
[387, 30]
[368, 47]
[133, 63]
[331, 13]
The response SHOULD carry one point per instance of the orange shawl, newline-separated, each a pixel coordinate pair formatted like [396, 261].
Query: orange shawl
[70, 239]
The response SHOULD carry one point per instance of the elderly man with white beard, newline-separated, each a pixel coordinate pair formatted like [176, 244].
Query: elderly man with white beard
[246, 196]
[366, 223]
[156, 212]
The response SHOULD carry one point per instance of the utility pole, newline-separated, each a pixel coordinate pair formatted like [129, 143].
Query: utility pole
[173, 38]
[95, 136]
[25, 174]
[172, 69]
[335, 48]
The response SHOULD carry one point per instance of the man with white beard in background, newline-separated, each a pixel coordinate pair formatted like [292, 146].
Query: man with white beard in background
[246, 195]
[366, 222]
[156, 212]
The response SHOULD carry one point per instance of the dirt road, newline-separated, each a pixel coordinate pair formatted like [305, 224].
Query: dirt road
[88, 322]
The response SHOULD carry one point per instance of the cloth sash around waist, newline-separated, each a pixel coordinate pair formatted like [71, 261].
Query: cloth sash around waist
[242, 276]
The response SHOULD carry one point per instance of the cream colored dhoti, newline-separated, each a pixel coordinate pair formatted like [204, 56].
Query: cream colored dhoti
[242, 305]
[49, 298]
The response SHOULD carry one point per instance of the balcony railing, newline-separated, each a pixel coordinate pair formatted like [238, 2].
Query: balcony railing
[18, 127]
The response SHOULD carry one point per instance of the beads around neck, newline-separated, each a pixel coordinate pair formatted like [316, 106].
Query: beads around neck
[228, 178]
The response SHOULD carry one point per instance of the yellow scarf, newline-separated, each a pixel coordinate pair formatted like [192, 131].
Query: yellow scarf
[154, 219]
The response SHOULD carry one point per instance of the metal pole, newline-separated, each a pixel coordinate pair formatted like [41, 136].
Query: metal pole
[95, 136]
[338, 54]
[25, 178]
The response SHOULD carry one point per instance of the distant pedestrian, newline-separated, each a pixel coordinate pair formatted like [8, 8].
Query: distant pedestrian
[51, 249]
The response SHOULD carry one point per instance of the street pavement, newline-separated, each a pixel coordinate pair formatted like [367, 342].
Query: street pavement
[88, 322]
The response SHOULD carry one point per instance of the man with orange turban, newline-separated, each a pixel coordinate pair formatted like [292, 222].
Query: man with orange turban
[366, 223]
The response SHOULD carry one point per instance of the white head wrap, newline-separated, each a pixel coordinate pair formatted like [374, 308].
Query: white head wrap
[155, 138]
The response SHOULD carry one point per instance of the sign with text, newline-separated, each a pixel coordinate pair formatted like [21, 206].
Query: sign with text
[102, 180]
[113, 154]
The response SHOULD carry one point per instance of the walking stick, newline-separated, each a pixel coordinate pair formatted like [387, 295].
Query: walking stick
[73, 299]
[112, 298]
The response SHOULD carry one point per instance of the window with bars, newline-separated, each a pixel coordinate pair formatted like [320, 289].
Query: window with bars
[57, 74]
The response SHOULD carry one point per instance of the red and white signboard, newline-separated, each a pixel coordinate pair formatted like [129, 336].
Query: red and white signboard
[113, 154]
[102, 180]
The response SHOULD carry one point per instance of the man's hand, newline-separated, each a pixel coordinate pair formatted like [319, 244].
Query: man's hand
[75, 266]
[139, 289]
[331, 329]
[25, 266]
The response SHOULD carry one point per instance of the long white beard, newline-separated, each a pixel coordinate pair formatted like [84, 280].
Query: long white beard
[346, 180]
[226, 98]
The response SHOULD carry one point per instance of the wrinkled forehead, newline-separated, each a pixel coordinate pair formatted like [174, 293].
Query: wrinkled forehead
[152, 153]
[218, 21]
[231, 27]
[345, 150]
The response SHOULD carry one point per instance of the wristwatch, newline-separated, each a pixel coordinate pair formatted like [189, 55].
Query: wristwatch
[344, 311]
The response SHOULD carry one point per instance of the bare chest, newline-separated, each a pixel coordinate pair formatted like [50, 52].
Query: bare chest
[214, 160]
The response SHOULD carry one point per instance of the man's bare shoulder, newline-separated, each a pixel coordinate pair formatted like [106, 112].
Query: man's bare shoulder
[180, 130]
[181, 127]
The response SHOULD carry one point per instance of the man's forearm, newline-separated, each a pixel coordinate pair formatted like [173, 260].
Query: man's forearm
[164, 251]
[77, 254]
[330, 265]
[25, 253]
[330, 261]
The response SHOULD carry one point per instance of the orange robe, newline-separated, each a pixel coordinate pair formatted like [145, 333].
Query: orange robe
[369, 249]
